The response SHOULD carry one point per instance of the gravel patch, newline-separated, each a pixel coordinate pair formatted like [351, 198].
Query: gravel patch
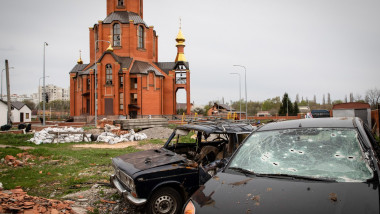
[103, 198]
[157, 132]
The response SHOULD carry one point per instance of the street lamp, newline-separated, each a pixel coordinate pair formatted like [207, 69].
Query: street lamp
[245, 79]
[2, 81]
[239, 91]
[96, 82]
[44, 89]
[39, 90]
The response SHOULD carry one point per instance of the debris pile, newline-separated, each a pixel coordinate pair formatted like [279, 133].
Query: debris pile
[21, 161]
[111, 138]
[157, 132]
[17, 201]
[112, 135]
[60, 135]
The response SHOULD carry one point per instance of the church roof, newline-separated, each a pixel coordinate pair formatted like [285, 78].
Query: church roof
[78, 67]
[140, 67]
[169, 66]
[125, 62]
[166, 66]
[124, 17]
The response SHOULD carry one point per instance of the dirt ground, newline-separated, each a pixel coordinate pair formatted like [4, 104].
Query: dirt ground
[119, 146]
[108, 146]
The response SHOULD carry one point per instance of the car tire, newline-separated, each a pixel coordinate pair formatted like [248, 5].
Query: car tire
[165, 201]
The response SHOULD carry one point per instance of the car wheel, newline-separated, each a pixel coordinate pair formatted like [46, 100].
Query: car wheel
[165, 201]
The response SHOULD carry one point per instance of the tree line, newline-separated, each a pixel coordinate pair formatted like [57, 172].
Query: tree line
[285, 105]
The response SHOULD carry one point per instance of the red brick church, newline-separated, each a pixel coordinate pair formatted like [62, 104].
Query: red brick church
[131, 81]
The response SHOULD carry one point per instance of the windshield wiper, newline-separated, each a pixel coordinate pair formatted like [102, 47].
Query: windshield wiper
[295, 177]
[241, 170]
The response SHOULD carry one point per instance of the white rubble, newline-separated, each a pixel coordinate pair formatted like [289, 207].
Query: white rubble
[108, 128]
[60, 135]
[111, 138]
[70, 135]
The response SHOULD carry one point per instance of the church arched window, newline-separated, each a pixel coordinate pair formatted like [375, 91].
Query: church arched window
[116, 35]
[120, 2]
[141, 37]
[108, 74]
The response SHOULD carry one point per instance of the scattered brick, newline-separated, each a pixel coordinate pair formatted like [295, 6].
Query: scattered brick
[21, 160]
[17, 201]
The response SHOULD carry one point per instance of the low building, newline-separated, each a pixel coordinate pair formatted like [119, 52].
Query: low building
[354, 109]
[21, 113]
[263, 114]
[3, 112]
[304, 109]
[220, 109]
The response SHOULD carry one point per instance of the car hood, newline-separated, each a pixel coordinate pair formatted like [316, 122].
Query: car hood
[230, 193]
[138, 161]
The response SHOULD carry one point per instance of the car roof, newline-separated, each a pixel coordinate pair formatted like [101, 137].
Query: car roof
[332, 122]
[219, 127]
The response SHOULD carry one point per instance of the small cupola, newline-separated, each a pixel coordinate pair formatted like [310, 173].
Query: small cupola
[180, 46]
[80, 61]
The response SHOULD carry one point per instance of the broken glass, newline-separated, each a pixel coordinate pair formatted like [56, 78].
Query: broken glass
[333, 153]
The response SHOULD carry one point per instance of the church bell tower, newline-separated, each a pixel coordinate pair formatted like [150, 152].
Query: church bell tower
[135, 6]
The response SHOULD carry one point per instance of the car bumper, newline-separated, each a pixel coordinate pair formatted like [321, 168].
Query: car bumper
[125, 193]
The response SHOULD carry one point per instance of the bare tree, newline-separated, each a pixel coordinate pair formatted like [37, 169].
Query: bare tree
[345, 98]
[358, 98]
[323, 100]
[297, 98]
[315, 99]
[328, 99]
[351, 97]
[372, 96]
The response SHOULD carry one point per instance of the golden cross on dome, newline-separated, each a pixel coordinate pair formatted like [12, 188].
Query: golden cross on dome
[180, 23]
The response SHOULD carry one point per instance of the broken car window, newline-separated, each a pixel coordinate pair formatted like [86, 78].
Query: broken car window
[314, 152]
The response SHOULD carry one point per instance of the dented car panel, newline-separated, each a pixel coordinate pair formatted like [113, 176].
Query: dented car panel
[234, 193]
[302, 166]
[180, 165]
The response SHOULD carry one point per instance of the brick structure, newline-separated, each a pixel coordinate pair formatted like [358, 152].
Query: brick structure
[131, 81]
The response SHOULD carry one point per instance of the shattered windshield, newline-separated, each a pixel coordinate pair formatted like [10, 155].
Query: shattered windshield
[314, 152]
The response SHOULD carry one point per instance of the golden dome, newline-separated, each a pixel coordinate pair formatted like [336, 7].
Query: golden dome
[80, 58]
[180, 38]
[110, 48]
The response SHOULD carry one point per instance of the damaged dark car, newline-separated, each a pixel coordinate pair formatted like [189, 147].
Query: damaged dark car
[161, 180]
[324, 165]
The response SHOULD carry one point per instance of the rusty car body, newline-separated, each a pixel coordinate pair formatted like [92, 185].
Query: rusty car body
[162, 179]
[324, 165]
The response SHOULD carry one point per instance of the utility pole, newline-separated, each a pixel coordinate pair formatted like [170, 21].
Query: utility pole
[44, 89]
[8, 92]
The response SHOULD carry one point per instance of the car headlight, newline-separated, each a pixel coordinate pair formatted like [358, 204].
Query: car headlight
[189, 209]
[128, 181]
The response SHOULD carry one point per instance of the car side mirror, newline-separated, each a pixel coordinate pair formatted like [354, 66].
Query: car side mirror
[222, 163]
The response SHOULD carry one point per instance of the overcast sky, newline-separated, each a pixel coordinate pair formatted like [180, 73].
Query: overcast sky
[307, 47]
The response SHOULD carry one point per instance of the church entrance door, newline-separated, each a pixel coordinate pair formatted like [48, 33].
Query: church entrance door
[108, 106]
